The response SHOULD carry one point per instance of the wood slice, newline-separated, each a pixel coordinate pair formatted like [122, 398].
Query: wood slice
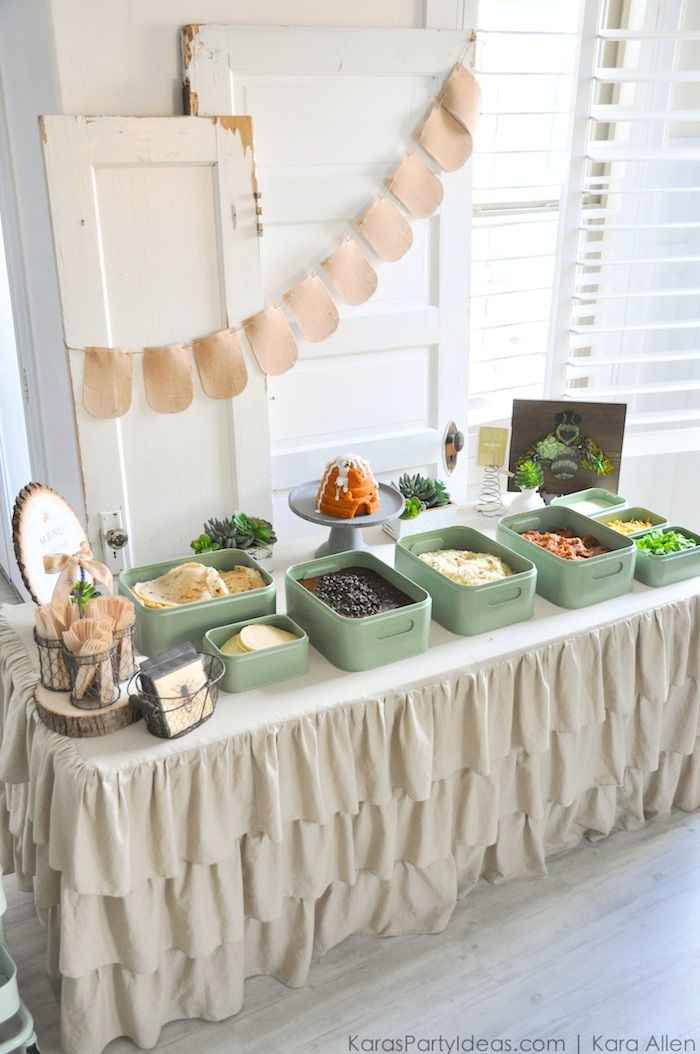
[58, 713]
[43, 523]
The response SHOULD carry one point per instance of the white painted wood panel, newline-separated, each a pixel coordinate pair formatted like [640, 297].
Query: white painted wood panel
[155, 235]
[334, 110]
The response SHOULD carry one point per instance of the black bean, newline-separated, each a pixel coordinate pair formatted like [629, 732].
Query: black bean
[359, 593]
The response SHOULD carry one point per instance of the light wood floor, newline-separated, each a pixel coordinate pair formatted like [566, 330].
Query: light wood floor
[608, 944]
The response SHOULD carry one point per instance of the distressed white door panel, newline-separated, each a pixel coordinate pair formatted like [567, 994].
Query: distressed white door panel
[334, 111]
[379, 113]
[327, 384]
[148, 254]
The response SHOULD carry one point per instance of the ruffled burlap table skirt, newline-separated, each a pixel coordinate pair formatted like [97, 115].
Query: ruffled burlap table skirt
[166, 881]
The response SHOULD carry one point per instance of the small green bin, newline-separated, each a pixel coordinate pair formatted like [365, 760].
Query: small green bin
[266, 666]
[468, 610]
[635, 513]
[673, 567]
[161, 628]
[605, 498]
[572, 583]
[359, 643]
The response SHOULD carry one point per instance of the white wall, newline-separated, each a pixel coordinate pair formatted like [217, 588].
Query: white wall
[30, 86]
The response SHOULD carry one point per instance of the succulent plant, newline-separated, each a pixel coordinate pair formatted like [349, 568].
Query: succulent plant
[235, 532]
[429, 492]
[203, 544]
[81, 592]
[529, 474]
[549, 447]
[412, 508]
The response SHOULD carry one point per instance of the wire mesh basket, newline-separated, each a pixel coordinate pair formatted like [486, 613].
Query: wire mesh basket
[52, 664]
[126, 656]
[172, 716]
[94, 680]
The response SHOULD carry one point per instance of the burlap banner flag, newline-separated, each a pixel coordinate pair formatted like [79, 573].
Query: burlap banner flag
[108, 375]
[416, 186]
[386, 230]
[167, 376]
[271, 338]
[351, 273]
[461, 97]
[314, 311]
[221, 364]
[445, 139]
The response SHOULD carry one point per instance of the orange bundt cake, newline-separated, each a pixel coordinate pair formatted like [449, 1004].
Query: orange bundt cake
[347, 488]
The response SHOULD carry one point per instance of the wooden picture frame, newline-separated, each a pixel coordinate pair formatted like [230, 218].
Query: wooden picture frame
[604, 423]
[43, 523]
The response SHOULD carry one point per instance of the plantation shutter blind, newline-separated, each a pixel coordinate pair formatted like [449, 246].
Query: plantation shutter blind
[627, 322]
[525, 59]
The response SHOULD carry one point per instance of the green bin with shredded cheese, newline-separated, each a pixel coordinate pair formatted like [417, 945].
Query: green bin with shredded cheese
[477, 584]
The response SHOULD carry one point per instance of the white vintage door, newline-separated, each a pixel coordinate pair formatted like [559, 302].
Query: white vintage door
[334, 110]
[155, 235]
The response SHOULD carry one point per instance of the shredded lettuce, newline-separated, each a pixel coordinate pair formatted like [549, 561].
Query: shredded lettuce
[663, 542]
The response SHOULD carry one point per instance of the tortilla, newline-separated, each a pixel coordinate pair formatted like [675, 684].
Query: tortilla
[184, 584]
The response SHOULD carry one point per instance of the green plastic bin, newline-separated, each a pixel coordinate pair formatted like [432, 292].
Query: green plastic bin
[161, 628]
[607, 500]
[266, 666]
[635, 513]
[673, 567]
[572, 583]
[468, 610]
[359, 643]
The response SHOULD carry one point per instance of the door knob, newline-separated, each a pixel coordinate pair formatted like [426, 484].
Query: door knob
[454, 443]
[116, 537]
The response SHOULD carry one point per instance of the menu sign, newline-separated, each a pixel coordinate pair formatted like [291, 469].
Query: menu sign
[43, 523]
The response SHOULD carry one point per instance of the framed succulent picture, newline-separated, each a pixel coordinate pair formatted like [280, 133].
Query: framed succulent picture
[576, 444]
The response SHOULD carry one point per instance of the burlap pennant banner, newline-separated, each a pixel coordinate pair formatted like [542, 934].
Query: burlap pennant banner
[271, 338]
[314, 311]
[167, 376]
[416, 186]
[386, 230]
[445, 139]
[108, 376]
[445, 136]
[351, 273]
[461, 97]
[221, 364]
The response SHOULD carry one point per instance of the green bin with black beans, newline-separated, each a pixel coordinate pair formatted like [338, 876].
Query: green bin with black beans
[359, 642]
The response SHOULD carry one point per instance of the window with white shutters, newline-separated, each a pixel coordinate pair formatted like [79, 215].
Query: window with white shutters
[626, 326]
[526, 59]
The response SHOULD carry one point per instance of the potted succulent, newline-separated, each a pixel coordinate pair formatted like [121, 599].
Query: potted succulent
[428, 505]
[528, 478]
[238, 531]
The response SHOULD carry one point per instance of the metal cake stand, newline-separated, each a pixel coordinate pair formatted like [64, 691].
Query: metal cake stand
[344, 534]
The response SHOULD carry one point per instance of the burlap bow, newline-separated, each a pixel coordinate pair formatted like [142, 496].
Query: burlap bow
[68, 568]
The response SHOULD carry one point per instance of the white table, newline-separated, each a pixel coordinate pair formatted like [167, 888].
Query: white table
[337, 803]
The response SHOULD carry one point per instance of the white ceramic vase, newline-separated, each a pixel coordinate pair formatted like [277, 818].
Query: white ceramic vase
[527, 500]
